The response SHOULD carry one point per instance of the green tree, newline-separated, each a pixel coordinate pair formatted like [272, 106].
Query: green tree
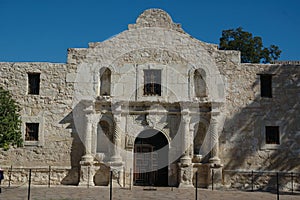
[251, 48]
[10, 123]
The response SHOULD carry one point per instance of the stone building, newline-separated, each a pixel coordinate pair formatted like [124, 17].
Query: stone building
[154, 106]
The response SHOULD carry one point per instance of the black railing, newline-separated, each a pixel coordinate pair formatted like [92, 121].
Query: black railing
[278, 181]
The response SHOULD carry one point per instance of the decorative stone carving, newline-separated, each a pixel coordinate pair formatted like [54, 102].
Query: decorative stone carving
[87, 173]
[129, 141]
[186, 159]
[185, 166]
[91, 126]
[150, 55]
[186, 176]
[213, 132]
[117, 134]
[117, 174]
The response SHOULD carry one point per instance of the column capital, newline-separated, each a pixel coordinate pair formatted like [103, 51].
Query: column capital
[185, 106]
[216, 107]
[93, 117]
[186, 118]
[214, 119]
[117, 107]
[89, 106]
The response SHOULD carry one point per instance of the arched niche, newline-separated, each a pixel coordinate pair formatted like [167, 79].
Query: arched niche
[200, 83]
[105, 81]
[104, 137]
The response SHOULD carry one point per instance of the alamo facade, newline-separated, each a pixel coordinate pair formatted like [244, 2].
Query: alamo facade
[154, 106]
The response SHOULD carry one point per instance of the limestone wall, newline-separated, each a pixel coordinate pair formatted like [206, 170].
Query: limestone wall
[242, 143]
[42, 175]
[132, 51]
[52, 109]
[156, 42]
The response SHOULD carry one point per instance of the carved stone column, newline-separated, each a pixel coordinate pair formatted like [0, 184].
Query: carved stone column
[214, 138]
[87, 168]
[117, 138]
[216, 166]
[186, 159]
[116, 164]
[185, 165]
[88, 137]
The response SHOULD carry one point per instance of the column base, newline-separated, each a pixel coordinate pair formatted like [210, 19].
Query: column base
[202, 171]
[185, 175]
[185, 161]
[87, 158]
[216, 174]
[116, 159]
[215, 162]
[87, 173]
[117, 172]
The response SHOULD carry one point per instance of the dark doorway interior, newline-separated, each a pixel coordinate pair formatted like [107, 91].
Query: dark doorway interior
[148, 161]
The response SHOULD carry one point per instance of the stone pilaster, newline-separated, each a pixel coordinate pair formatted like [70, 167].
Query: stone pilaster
[185, 175]
[87, 168]
[88, 139]
[215, 162]
[87, 173]
[117, 138]
[116, 163]
[185, 165]
[186, 159]
[117, 174]
[214, 138]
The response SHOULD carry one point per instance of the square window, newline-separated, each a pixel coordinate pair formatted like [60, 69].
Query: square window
[272, 135]
[32, 132]
[152, 82]
[34, 83]
[266, 85]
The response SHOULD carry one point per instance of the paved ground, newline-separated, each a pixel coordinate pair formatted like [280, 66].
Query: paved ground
[99, 193]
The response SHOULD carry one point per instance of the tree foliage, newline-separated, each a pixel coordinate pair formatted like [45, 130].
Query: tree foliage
[251, 48]
[10, 123]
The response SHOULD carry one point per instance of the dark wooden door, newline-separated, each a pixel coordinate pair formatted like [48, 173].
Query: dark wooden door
[145, 165]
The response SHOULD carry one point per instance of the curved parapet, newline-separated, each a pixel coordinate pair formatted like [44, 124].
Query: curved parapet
[155, 18]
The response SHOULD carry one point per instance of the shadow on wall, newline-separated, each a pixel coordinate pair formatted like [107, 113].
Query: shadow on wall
[77, 150]
[243, 142]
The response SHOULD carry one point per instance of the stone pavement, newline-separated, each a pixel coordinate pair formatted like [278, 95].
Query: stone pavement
[102, 193]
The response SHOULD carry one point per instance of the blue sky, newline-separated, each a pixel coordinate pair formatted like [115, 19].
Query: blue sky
[43, 30]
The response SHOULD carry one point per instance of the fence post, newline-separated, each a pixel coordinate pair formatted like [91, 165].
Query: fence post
[277, 186]
[212, 179]
[124, 177]
[292, 176]
[88, 183]
[130, 178]
[49, 177]
[196, 196]
[9, 178]
[110, 188]
[252, 181]
[29, 183]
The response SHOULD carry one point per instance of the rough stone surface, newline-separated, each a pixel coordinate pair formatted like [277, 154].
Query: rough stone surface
[232, 100]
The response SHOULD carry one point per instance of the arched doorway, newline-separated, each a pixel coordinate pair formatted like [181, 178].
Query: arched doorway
[151, 151]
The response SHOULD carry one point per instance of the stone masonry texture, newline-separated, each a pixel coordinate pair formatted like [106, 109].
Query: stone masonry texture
[155, 42]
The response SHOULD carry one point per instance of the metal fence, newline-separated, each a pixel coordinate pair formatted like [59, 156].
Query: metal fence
[271, 181]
